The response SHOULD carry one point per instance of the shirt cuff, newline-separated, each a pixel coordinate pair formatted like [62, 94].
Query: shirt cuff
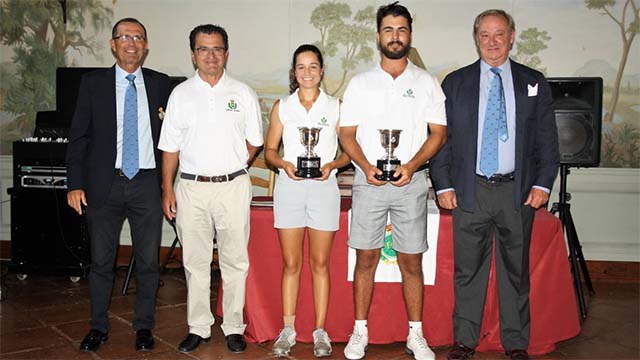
[542, 188]
[444, 191]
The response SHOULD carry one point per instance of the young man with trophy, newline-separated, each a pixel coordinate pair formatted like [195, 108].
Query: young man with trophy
[395, 105]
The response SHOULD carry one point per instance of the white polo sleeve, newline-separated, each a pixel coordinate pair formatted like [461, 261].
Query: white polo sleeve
[351, 108]
[173, 126]
[435, 111]
[253, 119]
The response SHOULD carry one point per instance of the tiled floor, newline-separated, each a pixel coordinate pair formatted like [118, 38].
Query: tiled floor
[45, 317]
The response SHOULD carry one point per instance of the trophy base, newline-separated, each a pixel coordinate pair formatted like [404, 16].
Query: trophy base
[308, 167]
[388, 168]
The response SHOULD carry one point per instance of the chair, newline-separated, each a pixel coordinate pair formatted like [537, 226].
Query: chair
[262, 176]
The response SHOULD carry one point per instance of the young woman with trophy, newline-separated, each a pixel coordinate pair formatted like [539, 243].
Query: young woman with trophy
[306, 196]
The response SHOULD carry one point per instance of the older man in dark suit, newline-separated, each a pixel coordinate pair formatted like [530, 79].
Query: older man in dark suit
[497, 167]
[113, 169]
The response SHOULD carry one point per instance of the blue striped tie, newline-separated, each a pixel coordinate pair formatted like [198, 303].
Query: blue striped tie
[495, 125]
[130, 163]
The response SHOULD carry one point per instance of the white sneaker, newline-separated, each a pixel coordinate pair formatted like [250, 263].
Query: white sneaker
[357, 346]
[417, 346]
[284, 342]
[321, 343]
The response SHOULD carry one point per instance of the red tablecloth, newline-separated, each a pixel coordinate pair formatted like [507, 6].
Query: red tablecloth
[554, 315]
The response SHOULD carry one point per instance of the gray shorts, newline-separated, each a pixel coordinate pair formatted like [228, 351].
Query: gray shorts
[306, 203]
[406, 206]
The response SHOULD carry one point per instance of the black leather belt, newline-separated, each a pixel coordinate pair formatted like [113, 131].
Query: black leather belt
[216, 179]
[497, 178]
[120, 173]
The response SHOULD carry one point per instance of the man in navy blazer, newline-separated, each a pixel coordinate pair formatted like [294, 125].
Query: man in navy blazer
[496, 198]
[98, 181]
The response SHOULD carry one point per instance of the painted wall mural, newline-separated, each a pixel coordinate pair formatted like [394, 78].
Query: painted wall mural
[560, 38]
[36, 34]
[620, 142]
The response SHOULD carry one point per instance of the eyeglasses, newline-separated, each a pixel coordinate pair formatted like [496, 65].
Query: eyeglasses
[125, 38]
[216, 50]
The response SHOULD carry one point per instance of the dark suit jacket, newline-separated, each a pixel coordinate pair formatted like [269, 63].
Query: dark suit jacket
[91, 153]
[537, 155]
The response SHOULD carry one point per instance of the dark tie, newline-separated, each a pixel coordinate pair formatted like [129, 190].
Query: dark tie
[130, 163]
[494, 127]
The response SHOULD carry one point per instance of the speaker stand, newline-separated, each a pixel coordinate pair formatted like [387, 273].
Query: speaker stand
[176, 241]
[163, 266]
[563, 208]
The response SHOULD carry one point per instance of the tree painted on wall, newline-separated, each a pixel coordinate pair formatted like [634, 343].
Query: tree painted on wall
[530, 42]
[620, 148]
[343, 36]
[629, 25]
[40, 41]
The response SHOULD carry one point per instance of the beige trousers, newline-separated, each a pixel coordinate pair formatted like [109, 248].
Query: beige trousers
[204, 211]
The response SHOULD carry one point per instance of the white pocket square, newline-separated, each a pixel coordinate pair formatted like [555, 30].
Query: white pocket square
[532, 90]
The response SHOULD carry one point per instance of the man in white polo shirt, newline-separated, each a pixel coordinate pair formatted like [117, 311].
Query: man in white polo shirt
[213, 130]
[394, 95]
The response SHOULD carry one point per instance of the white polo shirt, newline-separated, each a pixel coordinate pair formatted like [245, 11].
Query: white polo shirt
[209, 125]
[375, 100]
[323, 114]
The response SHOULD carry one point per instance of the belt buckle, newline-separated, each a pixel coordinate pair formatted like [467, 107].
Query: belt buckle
[218, 178]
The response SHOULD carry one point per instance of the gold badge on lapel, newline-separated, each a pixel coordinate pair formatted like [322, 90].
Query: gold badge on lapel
[161, 113]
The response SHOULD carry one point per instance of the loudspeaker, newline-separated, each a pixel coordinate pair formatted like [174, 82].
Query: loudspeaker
[577, 103]
[47, 236]
[67, 87]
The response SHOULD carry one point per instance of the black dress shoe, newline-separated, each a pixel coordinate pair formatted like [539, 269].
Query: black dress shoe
[144, 340]
[460, 352]
[517, 354]
[92, 341]
[236, 343]
[191, 342]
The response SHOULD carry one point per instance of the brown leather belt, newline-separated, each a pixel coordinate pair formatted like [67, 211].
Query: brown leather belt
[497, 178]
[215, 179]
[120, 173]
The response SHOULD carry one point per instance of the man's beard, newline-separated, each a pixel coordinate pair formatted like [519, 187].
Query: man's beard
[395, 55]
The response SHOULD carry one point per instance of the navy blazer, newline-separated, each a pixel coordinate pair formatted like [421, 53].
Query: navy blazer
[537, 154]
[91, 152]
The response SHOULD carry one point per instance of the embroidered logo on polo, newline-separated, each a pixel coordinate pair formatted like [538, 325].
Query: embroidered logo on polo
[323, 121]
[408, 93]
[232, 105]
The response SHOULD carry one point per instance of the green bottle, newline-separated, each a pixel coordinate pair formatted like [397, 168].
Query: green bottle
[388, 255]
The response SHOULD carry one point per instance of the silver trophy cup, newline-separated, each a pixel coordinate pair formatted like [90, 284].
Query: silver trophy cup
[309, 161]
[389, 139]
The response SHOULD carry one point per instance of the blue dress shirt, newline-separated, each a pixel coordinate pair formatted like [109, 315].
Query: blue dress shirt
[146, 159]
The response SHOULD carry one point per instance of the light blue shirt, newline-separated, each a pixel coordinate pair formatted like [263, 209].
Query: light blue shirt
[146, 159]
[506, 149]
